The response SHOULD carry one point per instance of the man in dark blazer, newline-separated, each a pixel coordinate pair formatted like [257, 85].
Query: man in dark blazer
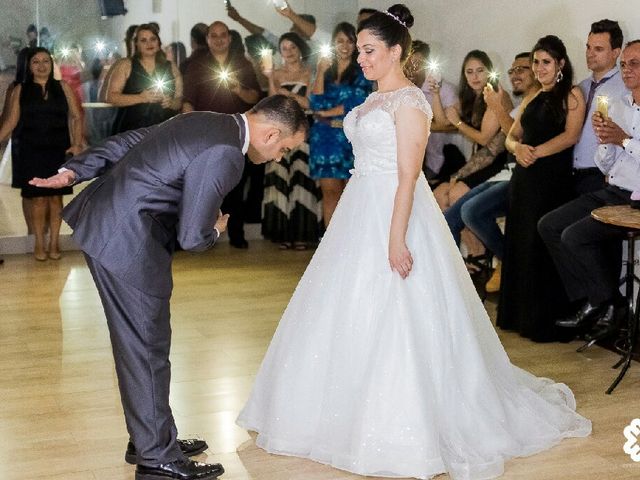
[157, 185]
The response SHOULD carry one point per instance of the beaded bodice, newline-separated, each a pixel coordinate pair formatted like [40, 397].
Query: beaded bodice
[371, 128]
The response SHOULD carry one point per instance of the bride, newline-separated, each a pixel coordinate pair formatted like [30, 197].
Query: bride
[385, 362]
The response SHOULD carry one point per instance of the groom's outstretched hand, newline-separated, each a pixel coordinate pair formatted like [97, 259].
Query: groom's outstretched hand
[221, 222]
[60, 180]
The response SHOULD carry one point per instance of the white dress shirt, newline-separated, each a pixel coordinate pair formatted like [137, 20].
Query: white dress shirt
[622, 165]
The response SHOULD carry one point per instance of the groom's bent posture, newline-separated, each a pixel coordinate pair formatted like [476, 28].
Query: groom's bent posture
[157, 185]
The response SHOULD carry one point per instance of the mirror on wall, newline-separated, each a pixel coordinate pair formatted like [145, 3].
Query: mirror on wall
[85, 42]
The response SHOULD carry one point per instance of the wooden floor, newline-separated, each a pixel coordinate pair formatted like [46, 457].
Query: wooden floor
[60, 415]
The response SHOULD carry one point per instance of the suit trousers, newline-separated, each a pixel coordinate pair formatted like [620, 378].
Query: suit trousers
[140, 338]
[586, 252]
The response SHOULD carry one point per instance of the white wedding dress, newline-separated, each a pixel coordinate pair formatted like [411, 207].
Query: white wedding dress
[383, 376]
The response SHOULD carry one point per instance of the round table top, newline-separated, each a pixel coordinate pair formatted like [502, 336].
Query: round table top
[619, 215]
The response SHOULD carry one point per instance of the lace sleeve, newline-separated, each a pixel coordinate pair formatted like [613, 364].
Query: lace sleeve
[411, 97]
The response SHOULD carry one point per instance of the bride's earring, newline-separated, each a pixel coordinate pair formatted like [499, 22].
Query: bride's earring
[559, 76]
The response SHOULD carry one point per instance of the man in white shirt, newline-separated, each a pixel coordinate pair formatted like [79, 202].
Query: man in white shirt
[588, 253]
[604, 44]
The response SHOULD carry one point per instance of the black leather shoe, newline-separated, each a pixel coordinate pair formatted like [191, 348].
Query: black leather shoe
[189, 447]
[605, 326]
[587, 314]
[180, 470]
[242, 243]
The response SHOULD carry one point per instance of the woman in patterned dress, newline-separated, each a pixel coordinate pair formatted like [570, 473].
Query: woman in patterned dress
[291, 204]
[339, 87]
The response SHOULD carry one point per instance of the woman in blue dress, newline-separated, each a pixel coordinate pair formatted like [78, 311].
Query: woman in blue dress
[339, 87]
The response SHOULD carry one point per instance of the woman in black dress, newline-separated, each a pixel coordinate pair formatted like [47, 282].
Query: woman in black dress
[48, 124]
[146, 87]
[531, 294]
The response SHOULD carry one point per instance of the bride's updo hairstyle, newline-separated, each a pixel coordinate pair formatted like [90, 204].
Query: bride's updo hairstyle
[392, 27]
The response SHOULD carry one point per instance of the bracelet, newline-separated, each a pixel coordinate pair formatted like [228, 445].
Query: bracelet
[457, 125]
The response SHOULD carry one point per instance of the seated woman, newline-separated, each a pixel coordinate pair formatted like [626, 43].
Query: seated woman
[146, 87]
[480, 125]
[291, 204]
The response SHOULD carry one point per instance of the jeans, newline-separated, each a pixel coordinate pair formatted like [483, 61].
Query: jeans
[479, 214]
[453, 214]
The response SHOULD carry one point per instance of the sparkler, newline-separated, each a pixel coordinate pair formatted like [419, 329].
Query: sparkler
[266, 55]
[433, 69]
[602, 105]
[326, 51]
[99, 46]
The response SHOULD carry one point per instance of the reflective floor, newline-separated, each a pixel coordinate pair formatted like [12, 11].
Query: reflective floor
[60, 415]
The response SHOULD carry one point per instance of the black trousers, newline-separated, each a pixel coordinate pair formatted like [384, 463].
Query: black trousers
[244, 202]
[587, 180]
[140, 338]
[586, 252]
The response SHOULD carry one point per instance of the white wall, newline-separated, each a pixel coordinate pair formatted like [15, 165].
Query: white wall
[176, 17]
[505, 27]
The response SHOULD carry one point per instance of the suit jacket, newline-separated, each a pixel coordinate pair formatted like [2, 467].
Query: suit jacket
[155, 184]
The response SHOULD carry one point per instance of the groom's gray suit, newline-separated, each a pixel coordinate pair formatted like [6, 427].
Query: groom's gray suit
[155, 185]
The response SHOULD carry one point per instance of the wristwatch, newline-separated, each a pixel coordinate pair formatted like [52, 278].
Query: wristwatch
[625, 142]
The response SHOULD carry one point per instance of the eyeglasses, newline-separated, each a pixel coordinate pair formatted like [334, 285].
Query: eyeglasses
[518, 70]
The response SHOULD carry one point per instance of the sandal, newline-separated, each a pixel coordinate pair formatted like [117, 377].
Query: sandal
[478, 263]
[285, 246]
[300, 246]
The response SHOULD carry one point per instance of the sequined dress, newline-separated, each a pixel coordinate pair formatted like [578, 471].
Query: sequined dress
[397, 378]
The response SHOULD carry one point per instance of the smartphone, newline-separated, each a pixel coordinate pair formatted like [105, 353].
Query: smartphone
[280, 4]
[602, 105]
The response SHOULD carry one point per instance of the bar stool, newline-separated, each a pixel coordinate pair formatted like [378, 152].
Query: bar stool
[628, 219]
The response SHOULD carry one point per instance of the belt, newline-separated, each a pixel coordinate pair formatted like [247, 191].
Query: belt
[335, 123]
[581, 172]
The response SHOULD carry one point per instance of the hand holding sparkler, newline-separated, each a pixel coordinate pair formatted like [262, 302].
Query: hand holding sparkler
[266, 61]
[151, 95]
[493, 79]
[326, 58]
[433, 76]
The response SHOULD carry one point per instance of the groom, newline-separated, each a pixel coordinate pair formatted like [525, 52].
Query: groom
[157, 185]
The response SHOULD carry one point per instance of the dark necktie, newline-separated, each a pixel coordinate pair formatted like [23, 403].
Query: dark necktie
[592, 91]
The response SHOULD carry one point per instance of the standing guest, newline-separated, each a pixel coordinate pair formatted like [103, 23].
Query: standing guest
[365, 13]
[481, 126]
[32, 36]
[541, 138]
[17, 167]
[127, 223]
[48, 125]
[291, 214]
[588, 253]
[110, 67]
[604, 44]
[72, 69]
[339, 87]
[146, 87]
[198, 44]
[221, 82]
[385, 362]
[176, 53]
[441, 95]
